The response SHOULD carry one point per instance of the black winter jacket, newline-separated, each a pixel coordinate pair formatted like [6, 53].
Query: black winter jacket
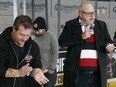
[8, 59]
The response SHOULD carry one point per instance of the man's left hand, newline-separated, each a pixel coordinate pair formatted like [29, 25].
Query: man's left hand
[110, 47]
[39, 76]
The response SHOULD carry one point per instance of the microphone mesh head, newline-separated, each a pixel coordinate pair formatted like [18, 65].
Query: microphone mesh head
[92, 26]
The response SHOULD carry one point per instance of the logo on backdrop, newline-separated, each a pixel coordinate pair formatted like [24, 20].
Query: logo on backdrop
[66, 8]
[37, 7]
[114, 9]
[4, 5]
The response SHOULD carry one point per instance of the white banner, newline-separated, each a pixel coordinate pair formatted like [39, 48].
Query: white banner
[39, 7]
[67, 8]
[6, 7]
[112, 9]
[103, 9]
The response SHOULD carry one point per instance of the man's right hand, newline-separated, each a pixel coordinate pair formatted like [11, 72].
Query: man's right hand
[24, 70]
[87, 34]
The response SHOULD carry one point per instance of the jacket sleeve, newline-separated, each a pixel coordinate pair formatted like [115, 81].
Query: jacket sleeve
[3, 69]
[106, 34]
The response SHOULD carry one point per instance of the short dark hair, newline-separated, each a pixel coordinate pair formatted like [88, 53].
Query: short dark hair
[23, 20]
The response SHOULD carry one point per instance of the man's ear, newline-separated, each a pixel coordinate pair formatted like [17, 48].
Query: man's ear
[80, 14]
[14, 28]
[35, 25]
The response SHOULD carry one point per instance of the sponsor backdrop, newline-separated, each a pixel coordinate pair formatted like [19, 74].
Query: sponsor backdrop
[57, 17]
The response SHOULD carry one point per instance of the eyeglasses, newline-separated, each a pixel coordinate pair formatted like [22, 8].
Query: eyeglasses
[88, 13]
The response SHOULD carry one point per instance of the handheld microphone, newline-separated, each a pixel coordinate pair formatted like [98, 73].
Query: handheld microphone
[92, 26]
[115, 42]
[114, 39]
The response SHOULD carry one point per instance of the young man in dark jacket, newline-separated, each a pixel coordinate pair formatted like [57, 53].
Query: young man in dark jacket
[19, 55]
